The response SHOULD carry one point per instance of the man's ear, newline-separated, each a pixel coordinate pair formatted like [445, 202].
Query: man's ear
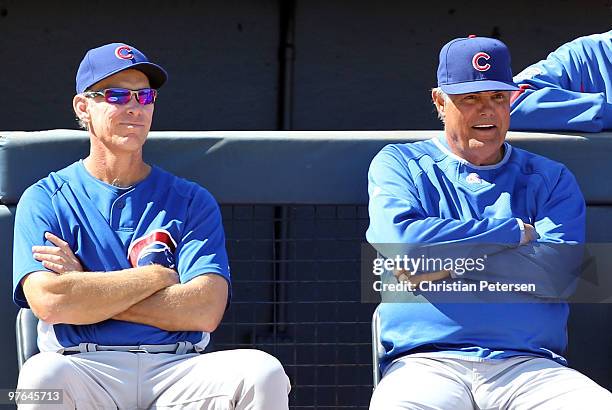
[80, 104]
[439, 102]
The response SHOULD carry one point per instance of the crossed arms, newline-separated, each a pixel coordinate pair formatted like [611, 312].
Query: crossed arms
[151, 295]
[549, 257]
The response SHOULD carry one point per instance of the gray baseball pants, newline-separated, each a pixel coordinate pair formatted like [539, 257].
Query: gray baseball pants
[521, 383]
[234, 379]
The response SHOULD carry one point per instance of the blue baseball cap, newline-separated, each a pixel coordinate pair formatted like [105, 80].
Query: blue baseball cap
[110, 59]
[474, 64]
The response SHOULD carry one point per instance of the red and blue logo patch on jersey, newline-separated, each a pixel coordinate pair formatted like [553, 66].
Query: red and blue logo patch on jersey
[124, 53]
[156, 247]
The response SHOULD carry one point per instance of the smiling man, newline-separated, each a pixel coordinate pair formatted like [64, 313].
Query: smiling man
[126, 268]
[468, 192]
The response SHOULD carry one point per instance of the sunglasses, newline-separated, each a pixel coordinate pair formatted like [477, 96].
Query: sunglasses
[123, 95]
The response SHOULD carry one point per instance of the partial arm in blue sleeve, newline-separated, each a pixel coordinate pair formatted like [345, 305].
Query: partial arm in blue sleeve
[557, 109]
[564, 92]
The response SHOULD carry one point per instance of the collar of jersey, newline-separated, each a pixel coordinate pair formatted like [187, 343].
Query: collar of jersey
[117, 190]
[442, 147]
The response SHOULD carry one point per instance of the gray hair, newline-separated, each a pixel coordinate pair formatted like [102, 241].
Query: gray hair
[82, 124]
[438, 91]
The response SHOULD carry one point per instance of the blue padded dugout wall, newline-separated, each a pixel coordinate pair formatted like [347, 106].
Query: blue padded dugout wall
[294, 210]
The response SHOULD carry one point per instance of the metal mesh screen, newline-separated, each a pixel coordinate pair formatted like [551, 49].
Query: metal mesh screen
[296, 295]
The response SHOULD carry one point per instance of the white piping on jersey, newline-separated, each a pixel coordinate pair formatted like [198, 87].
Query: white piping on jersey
[443, 148]
[117, 199]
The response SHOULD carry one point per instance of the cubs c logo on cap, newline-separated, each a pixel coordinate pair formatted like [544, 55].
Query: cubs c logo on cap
[476, 61]
[124, 53]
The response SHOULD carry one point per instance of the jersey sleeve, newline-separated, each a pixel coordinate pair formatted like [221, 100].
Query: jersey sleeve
[201, 249]
[34, 217]
[552, 95]
[397, 217]
[553, 263]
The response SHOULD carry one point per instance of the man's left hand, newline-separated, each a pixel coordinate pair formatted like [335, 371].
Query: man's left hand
[403, 275]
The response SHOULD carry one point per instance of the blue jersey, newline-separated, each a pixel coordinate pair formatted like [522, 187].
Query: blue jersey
[570, 90]
[421, 193]
[163, 219]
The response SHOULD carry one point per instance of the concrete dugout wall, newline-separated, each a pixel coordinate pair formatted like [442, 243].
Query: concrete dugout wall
[270, 64]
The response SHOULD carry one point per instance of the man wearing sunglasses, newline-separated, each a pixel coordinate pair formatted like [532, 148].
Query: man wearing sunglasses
[125, 265]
